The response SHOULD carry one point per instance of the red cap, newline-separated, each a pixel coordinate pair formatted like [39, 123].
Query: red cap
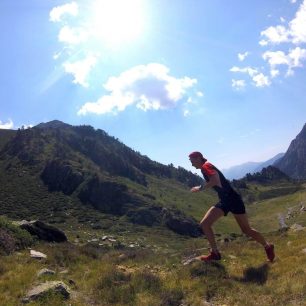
[196, 154]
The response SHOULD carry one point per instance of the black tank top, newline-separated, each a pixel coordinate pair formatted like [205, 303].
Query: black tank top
[226, 190]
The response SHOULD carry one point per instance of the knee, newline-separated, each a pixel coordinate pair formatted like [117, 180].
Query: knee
[204, 224]
[247, 231]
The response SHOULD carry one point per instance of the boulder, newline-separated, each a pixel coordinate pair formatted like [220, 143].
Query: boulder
[108, 197]
[36, 254]
[45, 271]
[297, 227]
[46, 288]
[147, 215]
[181, 224]
[61, 176]
[42, 230]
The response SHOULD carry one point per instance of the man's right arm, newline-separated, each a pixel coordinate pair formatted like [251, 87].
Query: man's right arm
[197, 188]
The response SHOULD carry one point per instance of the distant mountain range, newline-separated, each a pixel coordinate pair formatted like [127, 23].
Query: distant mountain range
[293, 162]
[239, 171]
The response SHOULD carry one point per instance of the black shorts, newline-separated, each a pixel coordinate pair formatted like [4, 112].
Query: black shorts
[232, 203]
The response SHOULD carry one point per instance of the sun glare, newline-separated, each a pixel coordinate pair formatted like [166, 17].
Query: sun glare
[117, 21]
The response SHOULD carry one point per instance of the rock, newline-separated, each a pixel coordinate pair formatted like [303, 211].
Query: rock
[42, 230]
[36, 254]
[232, 256]
[72, 282]
[297, 227]
[106, 196]
[282, 223]
[45, 271]
[96, 226]
[304, 251]
[60, 176]
[181, 224]
[122, 256]
[206, 303]
[43, 289]
[148, 215]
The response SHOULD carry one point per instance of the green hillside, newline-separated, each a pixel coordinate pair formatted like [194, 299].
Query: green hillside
[60, 173]
[91, 186]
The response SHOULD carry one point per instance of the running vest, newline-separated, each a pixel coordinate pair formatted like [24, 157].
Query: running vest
[226, 190]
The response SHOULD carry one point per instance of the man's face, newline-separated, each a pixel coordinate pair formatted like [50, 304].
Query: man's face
[196, 162]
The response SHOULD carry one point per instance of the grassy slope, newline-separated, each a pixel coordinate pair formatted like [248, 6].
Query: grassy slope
[264, 214]
[153, 274]
[156, 277]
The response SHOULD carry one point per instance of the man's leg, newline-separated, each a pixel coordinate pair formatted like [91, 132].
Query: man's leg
[243, 222]
[212, 215]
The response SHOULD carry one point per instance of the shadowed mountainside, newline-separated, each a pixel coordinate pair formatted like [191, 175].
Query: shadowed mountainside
[79, 166]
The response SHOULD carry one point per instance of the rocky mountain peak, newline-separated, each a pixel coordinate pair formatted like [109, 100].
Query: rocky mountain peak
[294, 161]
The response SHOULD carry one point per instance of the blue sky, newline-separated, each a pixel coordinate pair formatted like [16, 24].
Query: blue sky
[165, 77]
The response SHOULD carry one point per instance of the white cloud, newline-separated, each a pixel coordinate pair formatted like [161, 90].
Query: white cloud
[80, 69]
[260, 80]
[289, 34]
[149, 87]
[72, 36]
[295, 32]
[250, 71]
[274, 35]
[238, 84]
[58, 11]
[274, 73]
[293, 59]
[200, 94]
[6, 126]
[242, 56]
[293, 1]
[276, 58]
[297, 55]
[298, 25]
[186, 113]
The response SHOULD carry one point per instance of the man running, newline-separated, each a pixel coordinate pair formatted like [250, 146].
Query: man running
[229, 201]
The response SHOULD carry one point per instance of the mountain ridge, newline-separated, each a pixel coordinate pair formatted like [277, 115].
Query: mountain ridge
[239, 171]
[293, 163]
[89, 168]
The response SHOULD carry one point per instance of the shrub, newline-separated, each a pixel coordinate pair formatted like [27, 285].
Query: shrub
[172, 297]
[7, 242]
[12, 237]
[146, 281]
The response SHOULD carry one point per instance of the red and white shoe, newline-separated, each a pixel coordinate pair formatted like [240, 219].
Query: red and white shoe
[211, 256]
[270, 252]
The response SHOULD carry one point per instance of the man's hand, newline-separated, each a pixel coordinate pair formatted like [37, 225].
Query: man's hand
[196, 189]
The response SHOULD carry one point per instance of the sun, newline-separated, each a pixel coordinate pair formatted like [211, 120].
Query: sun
[117, 21]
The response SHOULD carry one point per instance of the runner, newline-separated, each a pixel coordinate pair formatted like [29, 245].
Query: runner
[229, 201]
